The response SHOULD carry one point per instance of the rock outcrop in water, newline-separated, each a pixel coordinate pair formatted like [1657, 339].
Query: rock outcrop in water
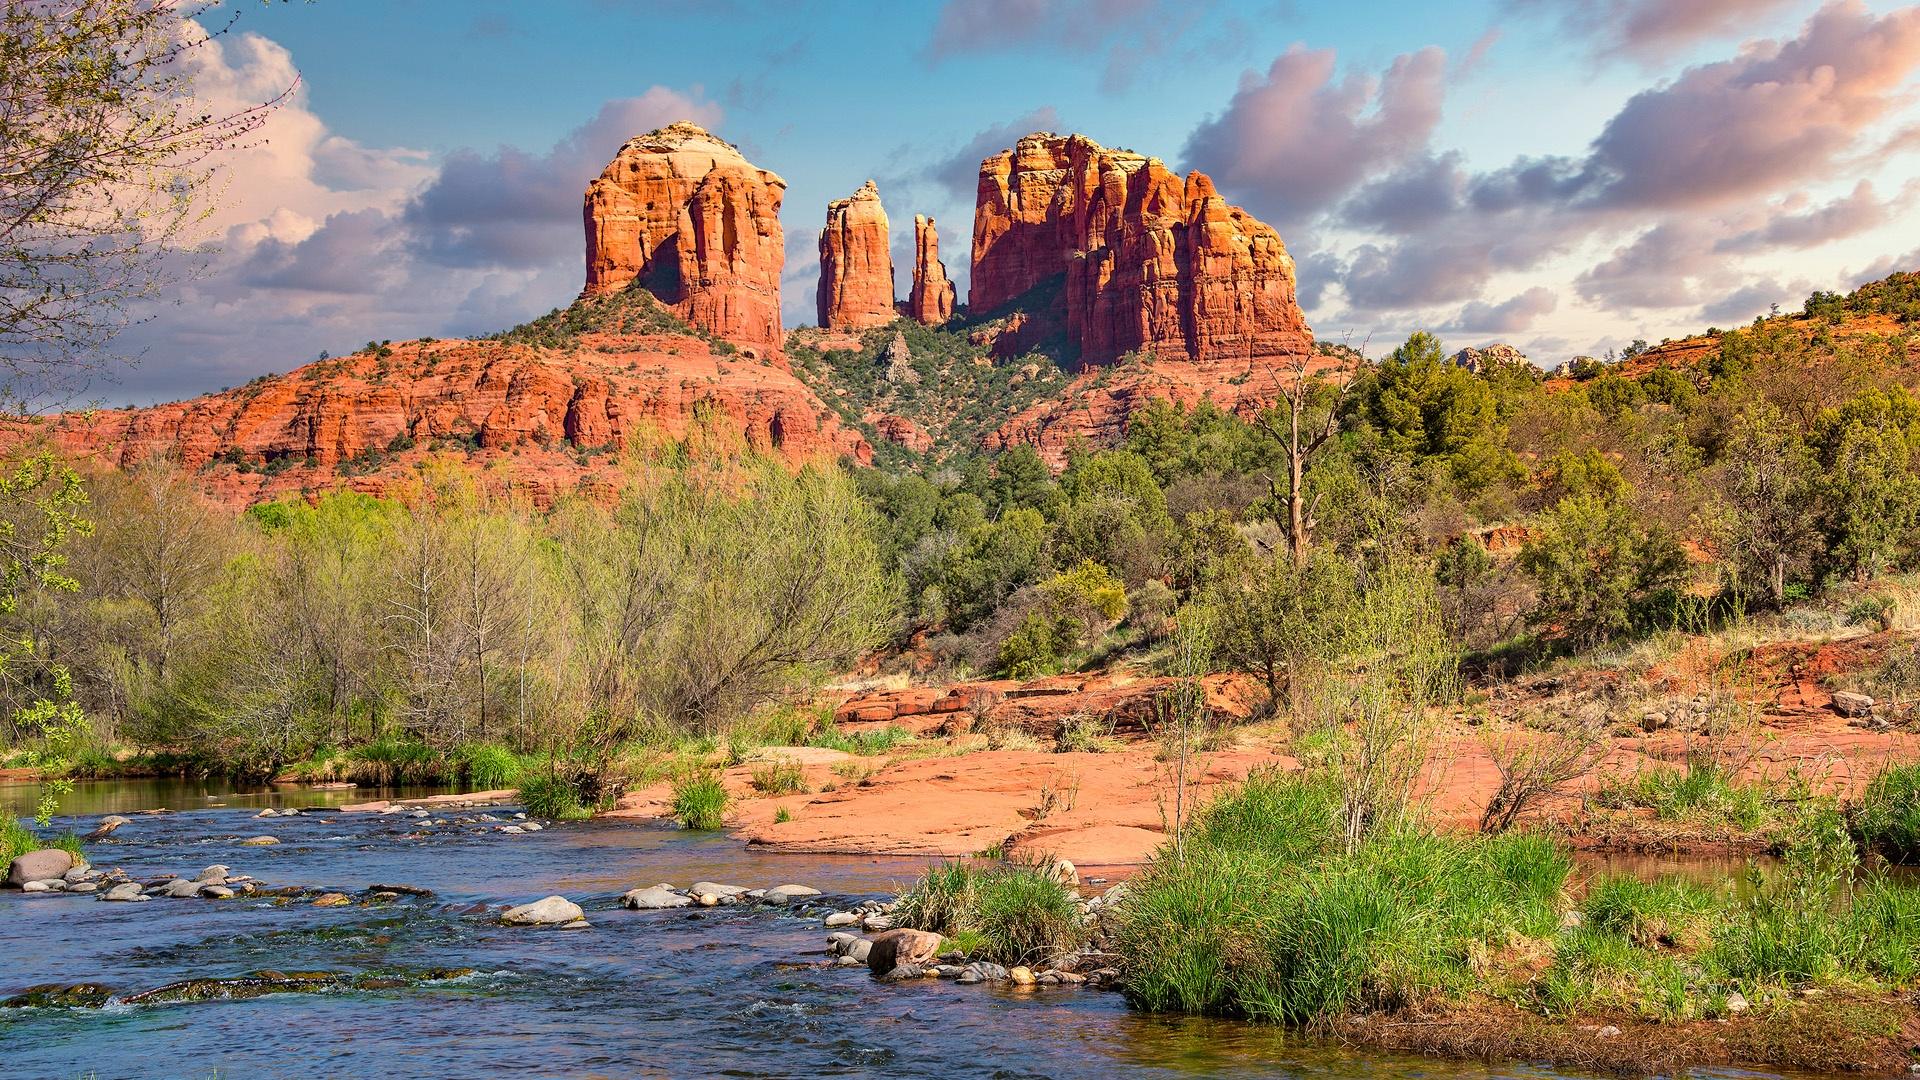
[682, 213]
[1142, 260]
[931, 301]
[856, 264]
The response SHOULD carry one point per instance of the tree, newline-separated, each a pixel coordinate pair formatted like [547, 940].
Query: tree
[1596, 565]
[105, 166]
[1310, 418]
[1275, 619]
[1768, 492]
[1870, 489]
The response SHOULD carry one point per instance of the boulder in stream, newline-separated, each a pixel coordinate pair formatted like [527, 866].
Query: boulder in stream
[548, 911]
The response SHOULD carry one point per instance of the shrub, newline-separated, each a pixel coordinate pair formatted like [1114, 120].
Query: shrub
[1025, 916]
[1887, 817]
[942, 900]
[488, 765]
[15, 839]
[781, 777]
[548, 795]
[700, 801]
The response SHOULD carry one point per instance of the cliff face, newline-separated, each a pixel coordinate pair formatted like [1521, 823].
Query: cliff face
[856, 263]
[931, 301]
[537, 418]
[682, 213]
[1149, 262]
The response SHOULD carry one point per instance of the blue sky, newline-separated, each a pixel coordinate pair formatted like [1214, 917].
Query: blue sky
[1563, 174]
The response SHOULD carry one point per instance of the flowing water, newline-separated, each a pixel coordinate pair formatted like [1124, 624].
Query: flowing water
[736, 991]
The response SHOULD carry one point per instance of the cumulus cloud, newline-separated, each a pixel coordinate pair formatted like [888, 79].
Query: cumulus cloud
[1301, 137]
[1794, 223]
[991, 25]
[1651, 28]
[323, 242]
[1509, 316]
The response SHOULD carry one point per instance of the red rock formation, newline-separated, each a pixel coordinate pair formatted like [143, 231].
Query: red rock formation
[931, 301]
[856, 263]
[529, 415]
[1147, 262]
[682, 213]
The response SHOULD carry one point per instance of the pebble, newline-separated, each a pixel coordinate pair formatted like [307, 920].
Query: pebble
[546, 911]
[259, 841]
[332, 899]
[1021, 976]
[659, 896]
[842, 918]
[1737, 1003]
[216, 892]
[531, 826]
[787, 894]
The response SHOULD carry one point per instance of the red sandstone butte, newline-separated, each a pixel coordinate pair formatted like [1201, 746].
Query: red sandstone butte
[682, 213]
[1148, 262]
[931, 301]
[535, 419]
[856, 263]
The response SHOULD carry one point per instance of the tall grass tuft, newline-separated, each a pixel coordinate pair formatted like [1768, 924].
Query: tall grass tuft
[487, 766]
[15, 839]
[1887, 817]
[781, 777]
[942, 900]
[700, 801]
[549, 795]
[1009, 913]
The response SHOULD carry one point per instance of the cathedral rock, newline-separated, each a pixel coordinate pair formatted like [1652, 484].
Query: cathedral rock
[1144, 260]
[931, 301]
[856, 265]
[681, 212]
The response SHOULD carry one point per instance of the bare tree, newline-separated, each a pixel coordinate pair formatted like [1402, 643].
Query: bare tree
[1309, 420]
[1536, 765]
[106, 165]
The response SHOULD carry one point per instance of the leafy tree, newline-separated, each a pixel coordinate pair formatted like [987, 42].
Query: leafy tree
[1870, 489]
[1274, 619]
[1769, 488]
[1597, 565]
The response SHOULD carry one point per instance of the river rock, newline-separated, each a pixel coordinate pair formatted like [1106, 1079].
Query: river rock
[1021, 976]
[1737, 1003]
[716, 889]
[547, 911]
[332, 899]
[180, 888]
[514, 829]
[260, 841]
[895, 948]
[531, 826]
[38, 866]
[83, 886]
[787, 894]
[842, 918]
[980, 971]
[901, 972]
[652, 899]
[878, 922]
[40, 886]
[216, 892]
[1848, 703]
[217, 873]
[128, 891]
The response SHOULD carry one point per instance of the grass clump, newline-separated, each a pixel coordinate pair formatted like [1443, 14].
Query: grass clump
[864, 743]
[1007, 913]
[1703, 792]
[700, 801]
[1887, 817]
[16, 839]
[487, 766]
[780, 777]
[550, 795]
[1266, 914]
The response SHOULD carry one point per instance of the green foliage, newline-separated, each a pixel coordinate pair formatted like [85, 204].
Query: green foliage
[864, 743]
[1703, 791]
[700, 801]
[487, 766]
[1265, 915]
[1662, 911]
[1599, 568]
[15, 839]
[1887, 816]
[548, 794]
[1008, 913]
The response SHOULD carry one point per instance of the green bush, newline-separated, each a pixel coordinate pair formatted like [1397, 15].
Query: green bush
[1887, 817]
[1025, 916]
[488, 766]
[700, 801]
[549, 795]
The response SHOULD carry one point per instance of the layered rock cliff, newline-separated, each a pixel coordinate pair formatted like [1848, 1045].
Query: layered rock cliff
[1148, 262]
[680, 212]
[538, 410]
[931, 301]
[856, 264]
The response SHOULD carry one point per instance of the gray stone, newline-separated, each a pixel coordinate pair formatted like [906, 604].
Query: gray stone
[861, 950]
[216, 873]
[901, 972]
[843, 918]
[126, 890]
[260, 841]
[514, 829]
[83, 887]
[839, 940]
[878, 922]
[1848, 703]
[37, 886]
[653, 898]
[1737, 1003]
[787, 894]
[216, 892]
[180, 888]
[38, 866]
[980, 971]
[531, 826]
[847, 961]
[716, 889]
[547, 911]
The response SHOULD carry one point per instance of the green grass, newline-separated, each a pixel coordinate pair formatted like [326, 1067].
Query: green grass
[1703, 792]
[865, 743]
[1887, 817]
[1646, 913]
[549, 795]
[1008, 913]
[782, 777]
[16, 839]
[488, 766]
[1267, 916]
[782, 815]
[700, 801]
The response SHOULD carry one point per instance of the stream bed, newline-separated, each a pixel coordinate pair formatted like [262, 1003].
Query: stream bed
[738, 991]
